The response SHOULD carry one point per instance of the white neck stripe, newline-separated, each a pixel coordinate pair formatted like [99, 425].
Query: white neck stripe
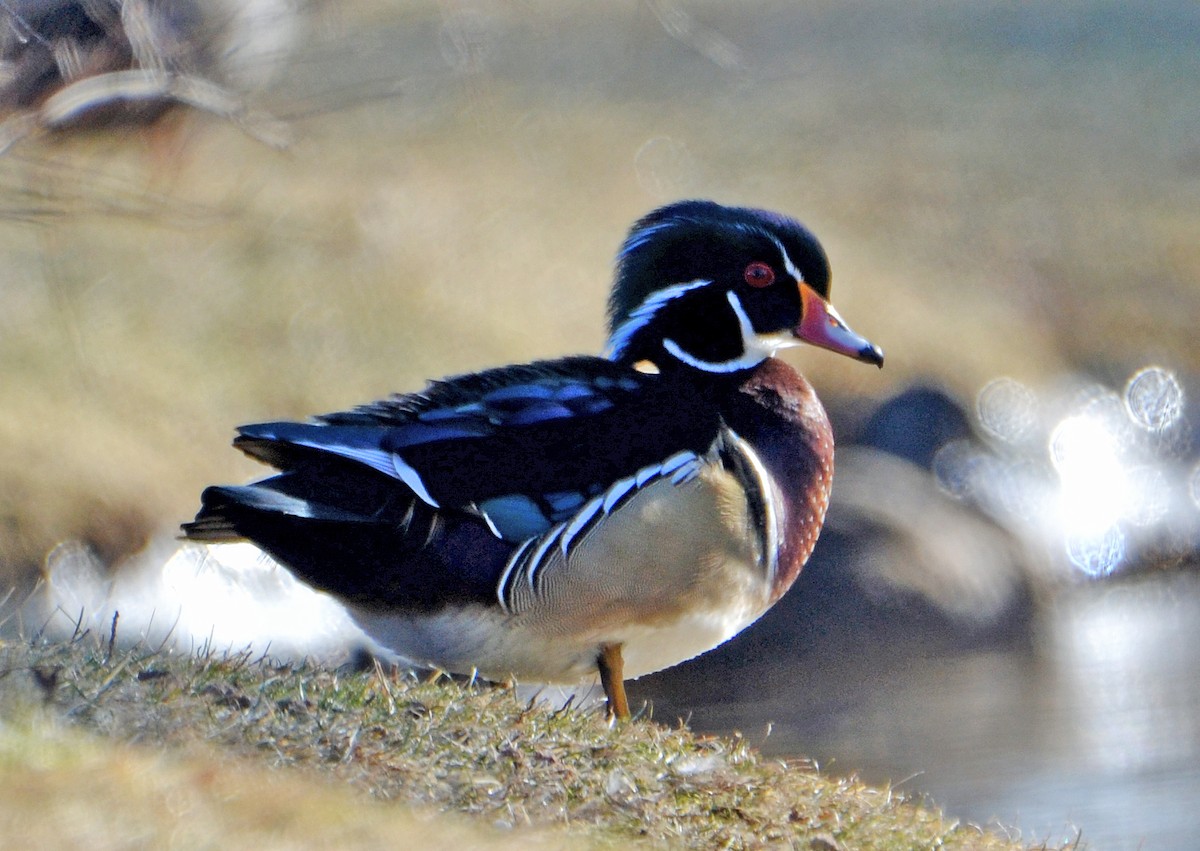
[744, 323]
[746, 361]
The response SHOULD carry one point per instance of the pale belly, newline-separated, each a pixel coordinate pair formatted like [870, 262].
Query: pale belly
[680, 569]
[501, 647]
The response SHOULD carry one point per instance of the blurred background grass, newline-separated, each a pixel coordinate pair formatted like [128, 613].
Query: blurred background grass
[1003, 188]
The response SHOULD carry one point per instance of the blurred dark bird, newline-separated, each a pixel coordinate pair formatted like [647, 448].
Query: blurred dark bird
[67, 64]
[554, 520]
[926, 566]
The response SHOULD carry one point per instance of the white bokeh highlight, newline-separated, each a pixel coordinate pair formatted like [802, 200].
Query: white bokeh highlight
[1097, 478]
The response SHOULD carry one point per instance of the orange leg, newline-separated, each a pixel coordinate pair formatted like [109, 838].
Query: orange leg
[612, 678]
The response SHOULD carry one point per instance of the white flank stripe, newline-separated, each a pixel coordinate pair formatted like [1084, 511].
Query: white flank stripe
[540, 553]
[767, 488]
[581, 519]
[646, 474]
[513, 560]
[676, 461]
[685, 474]
[618, 489]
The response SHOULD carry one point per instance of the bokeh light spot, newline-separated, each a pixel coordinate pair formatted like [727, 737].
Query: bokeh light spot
[1154, 398]
[1194, 485]
[954, 466]
[665, 168]
[1080, 444]
[1149, 497]
[1093, 492]
[1097, 553]
[1007, 410]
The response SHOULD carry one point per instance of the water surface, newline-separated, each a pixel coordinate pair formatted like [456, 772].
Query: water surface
[1092, 725]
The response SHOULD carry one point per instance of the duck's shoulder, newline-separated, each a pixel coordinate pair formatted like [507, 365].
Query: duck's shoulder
[774, 390]
[515, 395]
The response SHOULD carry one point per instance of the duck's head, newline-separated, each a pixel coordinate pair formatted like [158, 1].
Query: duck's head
[719, 289]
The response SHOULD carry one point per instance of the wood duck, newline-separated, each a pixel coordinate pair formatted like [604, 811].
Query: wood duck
[554, 520]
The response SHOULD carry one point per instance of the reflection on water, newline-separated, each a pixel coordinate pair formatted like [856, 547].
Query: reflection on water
[1095, 727]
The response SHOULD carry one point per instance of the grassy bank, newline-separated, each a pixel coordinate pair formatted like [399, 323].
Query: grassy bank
[139, 748]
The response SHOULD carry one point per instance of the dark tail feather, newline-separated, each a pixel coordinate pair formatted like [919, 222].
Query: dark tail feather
[230, 513]
[211, 529]
[216, 521]
[378, 555]
[278, 454]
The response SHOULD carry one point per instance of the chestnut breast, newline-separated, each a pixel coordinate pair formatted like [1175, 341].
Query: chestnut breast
[778, 413]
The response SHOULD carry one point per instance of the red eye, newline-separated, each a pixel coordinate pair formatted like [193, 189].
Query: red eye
[759, 274]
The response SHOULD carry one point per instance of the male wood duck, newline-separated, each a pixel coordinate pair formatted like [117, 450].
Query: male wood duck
[554, 520]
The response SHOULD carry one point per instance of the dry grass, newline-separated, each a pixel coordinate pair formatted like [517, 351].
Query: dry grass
[140, 749]
[67, 790]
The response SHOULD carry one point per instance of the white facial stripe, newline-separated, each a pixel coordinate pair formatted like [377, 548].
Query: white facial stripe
[641, 315]
[639, 238]
[747, 327]
[787, 261]
[755, 347]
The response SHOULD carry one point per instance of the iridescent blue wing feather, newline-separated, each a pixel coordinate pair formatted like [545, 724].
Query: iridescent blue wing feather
[521, 447]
